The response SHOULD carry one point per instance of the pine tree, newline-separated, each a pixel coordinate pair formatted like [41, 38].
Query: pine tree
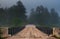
[54, 17]
[17, 13]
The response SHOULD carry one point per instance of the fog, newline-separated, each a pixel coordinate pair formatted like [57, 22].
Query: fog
[29, 4]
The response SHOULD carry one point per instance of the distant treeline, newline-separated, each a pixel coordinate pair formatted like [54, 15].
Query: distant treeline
[16, 15]
[42, 16]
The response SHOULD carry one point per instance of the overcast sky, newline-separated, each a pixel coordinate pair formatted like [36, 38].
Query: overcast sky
[29, 4]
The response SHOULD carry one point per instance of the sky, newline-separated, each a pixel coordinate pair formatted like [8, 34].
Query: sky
[29, 4]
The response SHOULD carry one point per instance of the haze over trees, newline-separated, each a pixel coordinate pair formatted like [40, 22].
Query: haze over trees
[42, 16]
[15, 15]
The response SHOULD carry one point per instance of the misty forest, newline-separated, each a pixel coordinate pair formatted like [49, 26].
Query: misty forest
[16, 16]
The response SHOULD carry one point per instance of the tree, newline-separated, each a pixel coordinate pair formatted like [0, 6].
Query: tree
[54, 17]
[42, 16]
[37, 16]
[32, 16]
[46, 16]
[2, 16]
[17, 12]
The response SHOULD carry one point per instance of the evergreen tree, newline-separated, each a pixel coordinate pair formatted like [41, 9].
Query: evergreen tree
[38, 15]
[54, 17]
[43, 17]
[17, 12]
[32, 17]
[2, 16]
[46, 16]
